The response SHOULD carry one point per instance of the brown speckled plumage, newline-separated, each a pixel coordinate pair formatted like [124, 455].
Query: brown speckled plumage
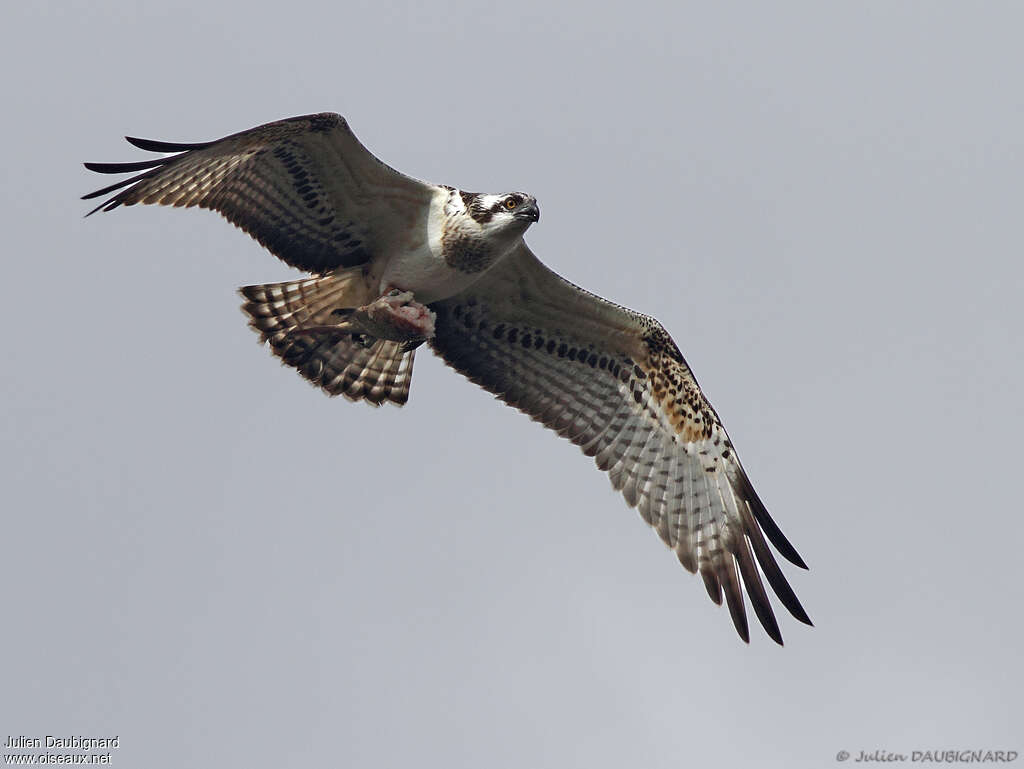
[609, 379]
[464, 252]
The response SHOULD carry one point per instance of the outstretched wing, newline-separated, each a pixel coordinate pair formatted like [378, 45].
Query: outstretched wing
[613, 382]
[303, 187]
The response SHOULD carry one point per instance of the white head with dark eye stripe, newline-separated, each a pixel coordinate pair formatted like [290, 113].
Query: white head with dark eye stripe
[510, 210]
[479, 229]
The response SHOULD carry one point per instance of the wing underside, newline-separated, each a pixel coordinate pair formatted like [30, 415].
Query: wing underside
[613, 382]
[304, 187]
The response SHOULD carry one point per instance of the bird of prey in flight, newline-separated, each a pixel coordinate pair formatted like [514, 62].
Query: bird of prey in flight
[396, 262]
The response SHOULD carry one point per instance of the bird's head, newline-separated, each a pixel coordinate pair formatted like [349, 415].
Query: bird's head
[508, 212]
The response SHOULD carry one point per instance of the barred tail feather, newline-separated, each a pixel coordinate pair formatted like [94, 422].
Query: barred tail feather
[342, 365]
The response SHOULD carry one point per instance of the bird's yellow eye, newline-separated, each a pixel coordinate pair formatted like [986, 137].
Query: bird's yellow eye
[510, 203]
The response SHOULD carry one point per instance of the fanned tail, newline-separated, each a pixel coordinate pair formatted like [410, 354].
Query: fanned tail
[292, 316]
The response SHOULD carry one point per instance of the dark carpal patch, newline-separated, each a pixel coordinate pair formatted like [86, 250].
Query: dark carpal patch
[303, 228]
[673, 386]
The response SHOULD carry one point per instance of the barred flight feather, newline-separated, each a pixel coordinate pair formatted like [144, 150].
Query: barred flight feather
[284, 314]
[304, 187]
[613, 382]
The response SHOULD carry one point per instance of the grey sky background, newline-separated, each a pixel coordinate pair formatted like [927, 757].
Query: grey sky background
[209, 558]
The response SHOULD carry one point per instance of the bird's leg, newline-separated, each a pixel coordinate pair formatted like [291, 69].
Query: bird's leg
[395, 316]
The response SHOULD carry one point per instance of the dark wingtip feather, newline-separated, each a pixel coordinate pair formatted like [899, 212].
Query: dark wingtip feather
[771, 627]
[738, 614]
[151, 145]
[734, 597]
[124, 168]
[769, 526]
[149, 168]
[106, 205]
[775, 576]
[712, 585]
[789, 599]
[758, 596]
[105, 190]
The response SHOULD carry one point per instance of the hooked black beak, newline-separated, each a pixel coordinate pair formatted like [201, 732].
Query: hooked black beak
[529, 211]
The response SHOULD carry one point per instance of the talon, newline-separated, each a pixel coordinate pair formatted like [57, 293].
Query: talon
[412, 344]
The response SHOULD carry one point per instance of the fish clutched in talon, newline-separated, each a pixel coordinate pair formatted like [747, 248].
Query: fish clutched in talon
[395, 316]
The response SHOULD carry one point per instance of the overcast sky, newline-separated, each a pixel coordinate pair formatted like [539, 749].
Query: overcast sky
[211, 559]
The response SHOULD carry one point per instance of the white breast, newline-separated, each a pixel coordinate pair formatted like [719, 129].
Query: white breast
[417, 264]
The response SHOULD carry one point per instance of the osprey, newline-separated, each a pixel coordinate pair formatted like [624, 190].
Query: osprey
[397, 262]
